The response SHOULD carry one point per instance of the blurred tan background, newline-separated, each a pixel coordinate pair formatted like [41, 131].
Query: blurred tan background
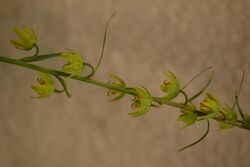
[145, 39]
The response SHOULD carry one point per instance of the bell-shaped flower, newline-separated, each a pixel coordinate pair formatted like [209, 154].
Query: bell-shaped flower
[171, 87]
[75, 63]
[230, 117]
[46, 85]
[210, 106]
[27, 38]
[119, 83]
[142, 102]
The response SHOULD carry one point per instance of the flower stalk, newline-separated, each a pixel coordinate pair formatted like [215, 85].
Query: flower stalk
[143, 100]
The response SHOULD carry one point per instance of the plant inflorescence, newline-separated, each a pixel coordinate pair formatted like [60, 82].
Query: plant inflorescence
[227, 116]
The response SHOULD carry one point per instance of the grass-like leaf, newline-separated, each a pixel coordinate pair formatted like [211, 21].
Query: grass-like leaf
[196, 76]
[63, 85]
[202, 90]
[199, 140]
[104, 42]
[237, 94]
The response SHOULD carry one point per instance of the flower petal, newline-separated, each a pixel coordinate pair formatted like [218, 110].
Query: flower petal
[144, 99]
[172, 87]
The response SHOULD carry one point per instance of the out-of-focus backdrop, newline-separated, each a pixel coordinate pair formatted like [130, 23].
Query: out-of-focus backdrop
[145, 39]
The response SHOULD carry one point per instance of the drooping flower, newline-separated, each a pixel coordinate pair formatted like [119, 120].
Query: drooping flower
[46, 85]
[171, 88]
[75, 62]
[210, 106]
[142, 102]
[120, 83]
[27, 38]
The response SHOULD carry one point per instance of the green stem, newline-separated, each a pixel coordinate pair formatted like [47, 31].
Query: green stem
[39, 57]
[78, 77]
[37, 50]
[60, 73]
[57, 74]
[185, 95]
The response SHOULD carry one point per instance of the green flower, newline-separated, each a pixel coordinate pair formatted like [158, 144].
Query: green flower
[230, 118]
[46, 85]
[27, 38]
[120, 83]
[210, 106]
[172, 87]
[75, 63]
[142, 102]
[189, 117]
[246, 121]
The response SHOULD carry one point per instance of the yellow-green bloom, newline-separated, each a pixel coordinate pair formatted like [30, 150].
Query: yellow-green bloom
[142, 102]
[120, 83]
[27, 38]
[75, 63]
[191, 108]
[246, 121]
[210, 106]
[172, 87]
[189, 117]
[46, 85]
[230, 118]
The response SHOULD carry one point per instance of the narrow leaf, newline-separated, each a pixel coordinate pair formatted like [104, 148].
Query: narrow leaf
[197, 75]
[199, 140]
[237, 94]
[104, 42]
[63, 85]
[202, 90]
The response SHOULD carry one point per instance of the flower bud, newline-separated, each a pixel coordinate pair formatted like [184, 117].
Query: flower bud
[46, 85]
[27, 38]
[75, 63]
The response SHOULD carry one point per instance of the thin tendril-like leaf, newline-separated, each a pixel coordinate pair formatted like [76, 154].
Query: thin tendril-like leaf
[63, 85]
[239, 108]
[241, 83]
[104, 42]
[199, 140]
[237, 94]
[202, 90]
[197, 75]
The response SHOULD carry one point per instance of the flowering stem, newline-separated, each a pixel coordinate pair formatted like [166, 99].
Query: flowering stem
[23, 63]
[58, 74]
[39, 57]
